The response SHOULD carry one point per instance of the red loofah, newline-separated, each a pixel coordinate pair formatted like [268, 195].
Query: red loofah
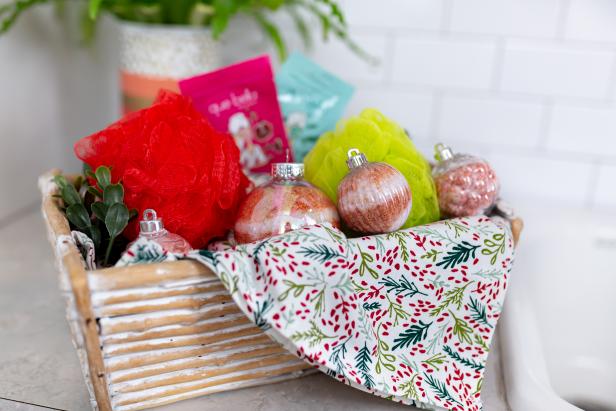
[171, 159]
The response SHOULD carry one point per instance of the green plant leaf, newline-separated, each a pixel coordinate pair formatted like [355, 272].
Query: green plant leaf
[11, 11]
[95, 235]
[70, 195]
[103, 176]
[224, 10]
[116, 219]
[100, 210]
[301, 27]
[78, 216]
[60, 181]
[113, 193]
[274, 34]
[94, 7]
[95, 192]
[335, 11]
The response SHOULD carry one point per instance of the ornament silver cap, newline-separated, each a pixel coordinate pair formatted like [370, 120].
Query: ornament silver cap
[442, 152]
[150, 223]
[287, 171]
[355, 158]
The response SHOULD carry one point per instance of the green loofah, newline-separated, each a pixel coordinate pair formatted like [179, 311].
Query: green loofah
[380, 139]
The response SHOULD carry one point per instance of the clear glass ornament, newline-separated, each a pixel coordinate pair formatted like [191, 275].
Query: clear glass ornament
[287, 202]
[152, 228]
[373, 198]
[466, 185]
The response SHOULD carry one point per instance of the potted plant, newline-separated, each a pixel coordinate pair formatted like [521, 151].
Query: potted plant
[162, 41]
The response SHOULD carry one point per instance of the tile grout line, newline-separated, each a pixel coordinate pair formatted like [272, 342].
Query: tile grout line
[563, 17]
[31, 403]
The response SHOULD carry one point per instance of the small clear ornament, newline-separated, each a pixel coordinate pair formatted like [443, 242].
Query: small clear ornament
[373, 198]
[151, 227]
[287, 202]
[466, 185]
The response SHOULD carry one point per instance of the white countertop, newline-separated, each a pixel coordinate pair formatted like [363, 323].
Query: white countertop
[39, 366]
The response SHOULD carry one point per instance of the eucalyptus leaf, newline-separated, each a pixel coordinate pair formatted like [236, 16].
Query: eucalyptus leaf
[78, 216]
[70, 195]
[116, 219]
[79, 182]
[113, 193]
[95, 235]
[95, 192]
[100, 210]
[103, 176]
[60, 181]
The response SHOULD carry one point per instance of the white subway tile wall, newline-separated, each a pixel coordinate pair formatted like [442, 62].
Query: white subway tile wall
[530, 84]
[606, 194]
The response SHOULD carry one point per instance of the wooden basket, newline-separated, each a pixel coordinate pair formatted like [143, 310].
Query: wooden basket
[154, 334]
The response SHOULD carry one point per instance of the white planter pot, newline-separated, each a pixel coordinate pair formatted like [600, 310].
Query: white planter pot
[157, 56]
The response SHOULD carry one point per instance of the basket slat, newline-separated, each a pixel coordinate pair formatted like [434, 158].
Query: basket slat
[195, 362]
[198, 374]
[157, 400]
[138, 360]
[192, 301]
[180, 388]
[144, 322]
[175, 342]
[178, 329]
[143, 275]
[143, 294]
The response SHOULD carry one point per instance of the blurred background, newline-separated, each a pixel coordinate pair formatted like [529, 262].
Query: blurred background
[528, 84]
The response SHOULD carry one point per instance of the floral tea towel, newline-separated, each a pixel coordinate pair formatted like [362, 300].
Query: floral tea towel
[407, 315]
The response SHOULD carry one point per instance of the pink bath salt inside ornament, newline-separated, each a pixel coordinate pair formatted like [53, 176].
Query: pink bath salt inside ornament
[286, 203]
[466, 185]
[374, 197]
[152, 228]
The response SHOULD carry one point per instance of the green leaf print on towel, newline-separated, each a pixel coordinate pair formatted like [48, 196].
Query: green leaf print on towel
[460, 253]
[413, 335]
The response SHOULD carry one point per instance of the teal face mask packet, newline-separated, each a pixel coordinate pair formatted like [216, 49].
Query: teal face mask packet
[312, 101]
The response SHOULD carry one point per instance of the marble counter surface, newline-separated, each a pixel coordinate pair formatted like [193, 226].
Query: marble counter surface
[39, 368]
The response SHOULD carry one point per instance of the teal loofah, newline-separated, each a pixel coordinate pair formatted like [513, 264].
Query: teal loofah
[380, 139]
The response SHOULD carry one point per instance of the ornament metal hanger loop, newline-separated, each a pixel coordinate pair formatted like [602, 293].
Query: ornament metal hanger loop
[150, 223]
[355, 158]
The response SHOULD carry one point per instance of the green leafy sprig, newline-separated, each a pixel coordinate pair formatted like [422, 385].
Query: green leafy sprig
[402, 287]
[320, 252]
[97, 210]
[313, 335]
[460, 253]
[466, 361]
[440, 389]
[413, 335]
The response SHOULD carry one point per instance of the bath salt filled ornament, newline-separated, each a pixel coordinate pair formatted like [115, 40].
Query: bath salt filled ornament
[466, 185]
[152, 228]
[286, 203]
[373, 198]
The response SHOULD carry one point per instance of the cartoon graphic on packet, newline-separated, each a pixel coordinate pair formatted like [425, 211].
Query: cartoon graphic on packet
[251, 154]
[242, 99]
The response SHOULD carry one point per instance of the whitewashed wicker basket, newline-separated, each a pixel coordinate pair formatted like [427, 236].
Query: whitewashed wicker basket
[154, 334]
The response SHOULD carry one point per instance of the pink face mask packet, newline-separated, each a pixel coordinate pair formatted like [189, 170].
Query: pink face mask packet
[241, 99]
